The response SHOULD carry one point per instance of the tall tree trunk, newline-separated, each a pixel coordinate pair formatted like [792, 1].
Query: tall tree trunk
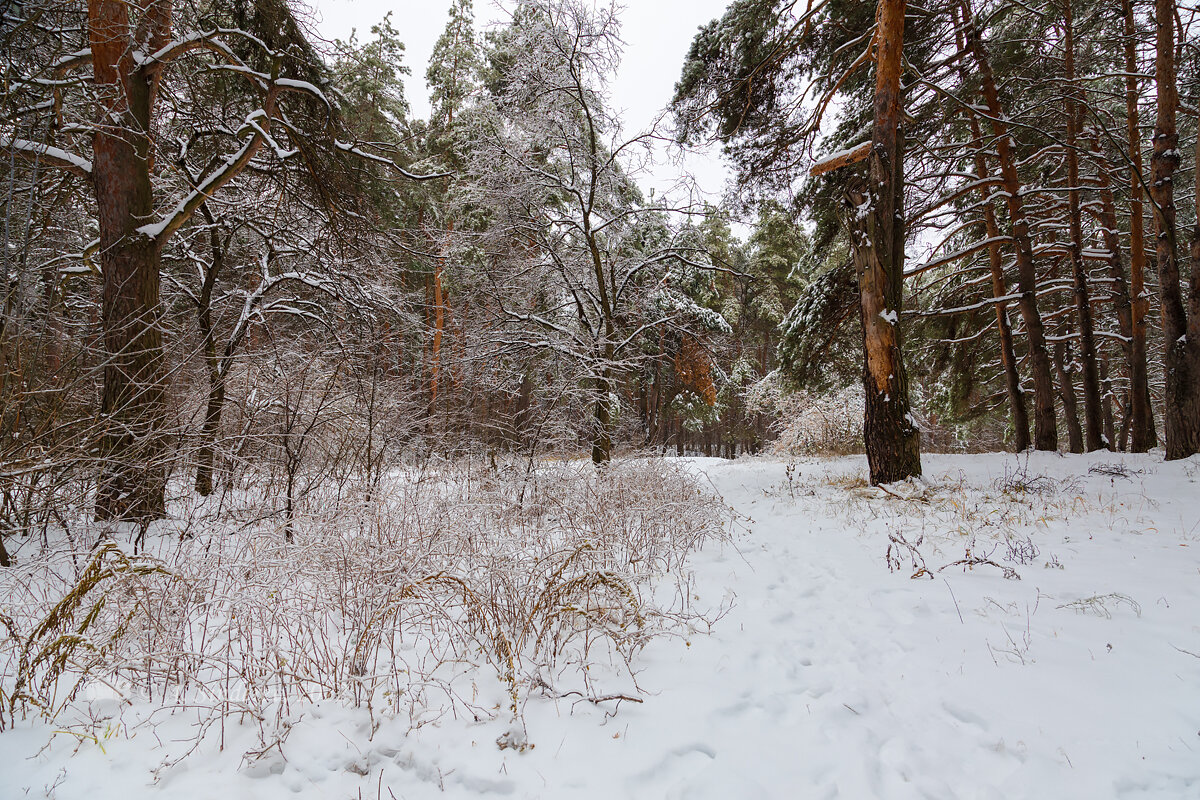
[439, 319]
[1181, 335]
[1123, 303]
[1093, 413]
[1045, 433]
[133, 475]
[1143, 435]
[1066, 392]
[603, 422]
[893, 442]
[1008, 356]
[1107, 402]
[1194, 306]
[206, 456]
[602, 433]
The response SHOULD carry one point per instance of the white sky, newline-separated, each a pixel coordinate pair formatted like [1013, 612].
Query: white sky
[657, 34]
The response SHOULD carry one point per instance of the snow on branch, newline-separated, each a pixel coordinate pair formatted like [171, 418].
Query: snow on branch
[53, 155]
[69, 62]
[233, 165]
[957, 254]
[254, 306]
[348, 147]
[842, 158]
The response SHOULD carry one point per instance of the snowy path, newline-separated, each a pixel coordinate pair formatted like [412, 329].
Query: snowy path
[831, 677]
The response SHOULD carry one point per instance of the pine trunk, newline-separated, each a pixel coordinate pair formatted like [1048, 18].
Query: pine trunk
[132, 482]
[1124, 305]
[1045, 433]
[1008, 355]
[1066, 393]
[1181, 336]
[1143, 435]
[892, 440]
[1092, 410]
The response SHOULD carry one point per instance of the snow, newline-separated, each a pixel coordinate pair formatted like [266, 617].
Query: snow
[303, 86]
[56, 153]
[839, 155]
[72, 57]
[832, 676]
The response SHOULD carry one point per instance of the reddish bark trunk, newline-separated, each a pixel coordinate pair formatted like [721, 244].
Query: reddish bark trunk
[1142, 434]
[1093, 412]
[1181, 335]
[1045, 433]
[1066, 393]
[892, 439]
[1008, 358]
[133, 477]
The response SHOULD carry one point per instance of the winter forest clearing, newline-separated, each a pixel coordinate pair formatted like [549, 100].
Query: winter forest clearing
[1035, 636]
[369, 437]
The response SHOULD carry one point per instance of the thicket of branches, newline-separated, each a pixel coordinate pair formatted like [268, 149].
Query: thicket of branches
[323, 364]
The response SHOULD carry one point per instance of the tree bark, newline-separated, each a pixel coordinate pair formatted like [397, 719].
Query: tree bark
[439, 320]
[1008, 356]
[132, 482]
[1045, 433]
[206, 455]
[1124, 304]
[1093, 412]
[1066, 392]
[602, 420]
[1181, 335]
[1106, 400]
[1143, 435]
[875, 215]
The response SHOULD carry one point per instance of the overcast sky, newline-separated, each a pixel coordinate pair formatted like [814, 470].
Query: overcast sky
[656, 34]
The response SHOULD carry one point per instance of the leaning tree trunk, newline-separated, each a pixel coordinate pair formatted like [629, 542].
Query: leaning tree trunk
[133, 473]
[1045, 433]
[1092, 409]
[892, 440]
[1008, 355]
[1181, 335]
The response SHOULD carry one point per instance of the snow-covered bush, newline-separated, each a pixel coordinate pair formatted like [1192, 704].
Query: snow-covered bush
[460, 589]
[811, 424]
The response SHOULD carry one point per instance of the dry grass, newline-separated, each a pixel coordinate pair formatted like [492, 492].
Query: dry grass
[847, 481]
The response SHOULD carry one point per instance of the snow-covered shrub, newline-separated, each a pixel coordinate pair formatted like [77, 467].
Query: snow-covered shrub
[459, 589]
[811, 424]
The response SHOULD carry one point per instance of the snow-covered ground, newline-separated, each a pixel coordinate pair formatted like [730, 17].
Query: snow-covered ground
[1076, 676]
